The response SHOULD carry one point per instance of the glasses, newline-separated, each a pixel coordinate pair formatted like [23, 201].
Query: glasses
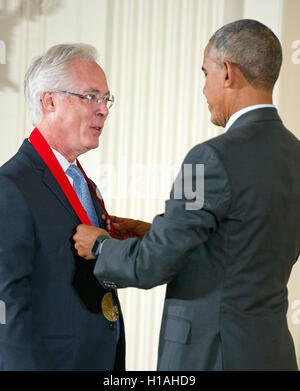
[92, 98]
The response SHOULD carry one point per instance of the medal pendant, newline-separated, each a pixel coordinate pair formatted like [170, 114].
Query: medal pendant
[109, 307]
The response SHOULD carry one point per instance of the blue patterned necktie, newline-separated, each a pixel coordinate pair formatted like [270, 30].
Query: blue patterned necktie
[82, 190]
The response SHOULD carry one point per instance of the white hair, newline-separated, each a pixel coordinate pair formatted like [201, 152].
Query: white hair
[50, 72]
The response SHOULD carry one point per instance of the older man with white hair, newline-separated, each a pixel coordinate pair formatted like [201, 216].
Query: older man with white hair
[58, 316]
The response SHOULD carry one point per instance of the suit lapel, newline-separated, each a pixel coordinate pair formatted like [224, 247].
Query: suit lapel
[49, 181]
[47, 177]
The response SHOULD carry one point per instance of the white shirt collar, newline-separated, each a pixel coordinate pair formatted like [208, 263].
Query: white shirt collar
[236, 115]
[62, 160]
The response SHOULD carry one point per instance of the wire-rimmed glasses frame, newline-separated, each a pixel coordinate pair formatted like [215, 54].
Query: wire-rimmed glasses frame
[92, 98]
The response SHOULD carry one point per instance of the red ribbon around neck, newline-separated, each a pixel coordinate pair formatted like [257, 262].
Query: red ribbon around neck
[43, 149]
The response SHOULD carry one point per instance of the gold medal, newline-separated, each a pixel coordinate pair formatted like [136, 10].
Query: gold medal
[109, 308]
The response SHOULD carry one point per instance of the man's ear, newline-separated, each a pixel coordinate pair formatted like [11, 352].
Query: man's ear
[48, 101]
[228, 74]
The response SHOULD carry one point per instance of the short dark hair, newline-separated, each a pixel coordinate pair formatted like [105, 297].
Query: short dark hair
[253, 47]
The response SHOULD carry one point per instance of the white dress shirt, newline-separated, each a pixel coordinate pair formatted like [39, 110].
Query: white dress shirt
[64, 163]
[236, 115]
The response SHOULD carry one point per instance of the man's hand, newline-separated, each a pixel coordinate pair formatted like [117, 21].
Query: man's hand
[85, 238]
[125, 228]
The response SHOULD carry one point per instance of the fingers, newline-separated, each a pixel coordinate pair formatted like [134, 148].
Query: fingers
[126, 228]
[112, 218]
[116, 219]
[82, 252]
[85, 238]
[79, 229]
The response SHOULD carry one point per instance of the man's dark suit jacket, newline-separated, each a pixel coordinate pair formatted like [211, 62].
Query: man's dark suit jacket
[53, 301]
[227, 264]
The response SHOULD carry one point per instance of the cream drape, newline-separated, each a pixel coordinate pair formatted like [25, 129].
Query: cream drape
[151, 51]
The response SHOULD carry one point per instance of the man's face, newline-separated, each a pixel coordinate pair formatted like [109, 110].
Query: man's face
[79, 121]
[214, 89]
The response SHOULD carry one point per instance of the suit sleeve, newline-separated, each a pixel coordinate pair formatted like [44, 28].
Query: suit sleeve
[198, 203]
[20, 347]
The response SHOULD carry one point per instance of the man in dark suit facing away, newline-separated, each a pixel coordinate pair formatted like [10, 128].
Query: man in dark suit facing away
[226, 255]
[56, 310]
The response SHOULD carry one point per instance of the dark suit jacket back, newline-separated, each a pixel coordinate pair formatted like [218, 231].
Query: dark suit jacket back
[227, 264]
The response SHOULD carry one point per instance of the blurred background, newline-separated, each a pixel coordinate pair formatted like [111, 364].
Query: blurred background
[151, 52]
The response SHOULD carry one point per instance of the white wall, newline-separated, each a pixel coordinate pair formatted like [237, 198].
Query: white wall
[151, 51]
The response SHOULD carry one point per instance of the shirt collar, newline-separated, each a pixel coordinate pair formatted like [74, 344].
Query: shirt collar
[62, 160]
[236, 115]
